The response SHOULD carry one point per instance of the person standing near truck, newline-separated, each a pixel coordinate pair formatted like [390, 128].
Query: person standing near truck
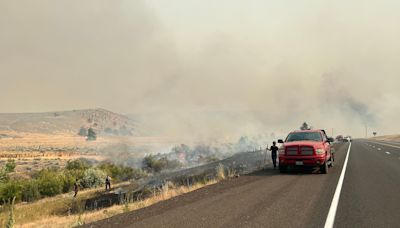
[274, 151]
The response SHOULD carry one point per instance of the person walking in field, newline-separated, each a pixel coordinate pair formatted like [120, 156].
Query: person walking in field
[76, 188]
[274, 151]
[108, 183]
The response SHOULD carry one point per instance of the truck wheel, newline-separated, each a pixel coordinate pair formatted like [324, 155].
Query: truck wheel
[324, 168]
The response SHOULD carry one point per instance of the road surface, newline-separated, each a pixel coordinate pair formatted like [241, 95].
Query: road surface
[369, 196]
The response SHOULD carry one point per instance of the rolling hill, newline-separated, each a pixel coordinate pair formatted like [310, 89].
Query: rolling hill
[68, 122]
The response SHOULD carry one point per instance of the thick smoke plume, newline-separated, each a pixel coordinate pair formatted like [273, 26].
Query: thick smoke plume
[206, 69]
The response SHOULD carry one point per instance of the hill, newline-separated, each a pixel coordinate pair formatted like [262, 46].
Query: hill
[67, 122]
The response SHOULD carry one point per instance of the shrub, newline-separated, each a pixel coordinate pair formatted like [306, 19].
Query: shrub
[10, 190]
[50, 183]
[93, 178]
[78, 164]
[10, 166]
[30, 191]
[3, 175]
[152, 164]
[121, 173]
[68, 179]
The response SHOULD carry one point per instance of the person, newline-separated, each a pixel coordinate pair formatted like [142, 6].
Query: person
[274, 151]
[76, 187]
[108, 183]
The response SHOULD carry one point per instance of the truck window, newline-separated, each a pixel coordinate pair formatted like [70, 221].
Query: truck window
[304, 136]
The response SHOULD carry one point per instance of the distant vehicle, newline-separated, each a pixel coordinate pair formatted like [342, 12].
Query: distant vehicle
[348, 138]
[339, 138]
[306, 148]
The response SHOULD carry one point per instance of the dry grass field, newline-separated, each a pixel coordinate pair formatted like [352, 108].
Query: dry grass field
[53, 212]
[394, 138]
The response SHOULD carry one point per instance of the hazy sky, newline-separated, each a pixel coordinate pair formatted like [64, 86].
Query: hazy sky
[270, 64]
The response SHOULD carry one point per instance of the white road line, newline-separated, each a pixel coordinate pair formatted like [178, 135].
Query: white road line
[387, 152]
[385, 144]
[379, 149]
[330, 220]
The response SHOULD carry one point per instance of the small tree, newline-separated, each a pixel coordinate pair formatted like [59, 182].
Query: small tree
[83, 131]
[91, 135]
[374, 133]
[305, 126]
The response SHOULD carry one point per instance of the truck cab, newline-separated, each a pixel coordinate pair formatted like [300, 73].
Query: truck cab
[306, 148]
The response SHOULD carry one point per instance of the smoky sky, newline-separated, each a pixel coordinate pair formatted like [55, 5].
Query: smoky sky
[207, 67]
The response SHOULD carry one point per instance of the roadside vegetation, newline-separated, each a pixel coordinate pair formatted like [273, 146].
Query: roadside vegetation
[54, 181]
[62, 210]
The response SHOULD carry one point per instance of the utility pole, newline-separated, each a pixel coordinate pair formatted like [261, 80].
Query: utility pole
[366, 131]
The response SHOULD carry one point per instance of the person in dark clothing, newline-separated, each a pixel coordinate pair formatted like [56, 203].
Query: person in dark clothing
[76, 188]
[108, 183]
[274, 151]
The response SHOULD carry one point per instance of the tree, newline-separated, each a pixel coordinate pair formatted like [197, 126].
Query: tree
[305, 126]
[374, 133]
[83, 131]
[91, 135]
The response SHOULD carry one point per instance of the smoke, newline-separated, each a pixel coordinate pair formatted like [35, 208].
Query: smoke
[206, 70]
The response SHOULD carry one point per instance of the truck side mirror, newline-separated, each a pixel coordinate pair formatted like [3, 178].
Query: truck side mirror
[331, 140]
[280, 141]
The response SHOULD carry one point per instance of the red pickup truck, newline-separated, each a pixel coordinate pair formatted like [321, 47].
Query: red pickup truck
[306, 148]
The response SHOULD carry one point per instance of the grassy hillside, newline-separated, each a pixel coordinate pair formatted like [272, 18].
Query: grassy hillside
[67, 122]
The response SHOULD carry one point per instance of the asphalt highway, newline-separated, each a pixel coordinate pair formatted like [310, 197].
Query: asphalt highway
[368, 197]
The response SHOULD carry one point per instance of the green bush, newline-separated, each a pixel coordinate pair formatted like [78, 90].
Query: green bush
[10, 166]
[152, 164]
[121, 173]
[93, 178]
[50, 183]
[68, 179]
[78, 164]
[11, 189]
[30, 191]
[3, 175]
